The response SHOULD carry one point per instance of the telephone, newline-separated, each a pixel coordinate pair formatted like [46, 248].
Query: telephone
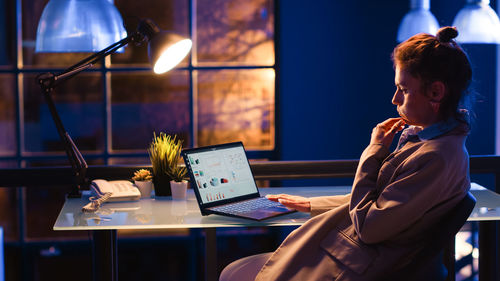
[122, 190]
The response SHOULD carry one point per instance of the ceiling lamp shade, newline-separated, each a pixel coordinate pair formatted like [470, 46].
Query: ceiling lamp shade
[477, 22]
[418, 20]
[79, 26]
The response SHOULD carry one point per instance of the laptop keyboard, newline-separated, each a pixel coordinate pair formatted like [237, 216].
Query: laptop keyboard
[247, 206]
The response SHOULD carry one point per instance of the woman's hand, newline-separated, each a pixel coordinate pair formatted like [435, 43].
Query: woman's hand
[299, 203]
[384, 132]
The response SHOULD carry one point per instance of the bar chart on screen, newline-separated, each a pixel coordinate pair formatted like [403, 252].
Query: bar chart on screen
[221, 176]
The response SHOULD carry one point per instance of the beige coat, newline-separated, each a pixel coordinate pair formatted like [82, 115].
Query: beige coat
[376, 228]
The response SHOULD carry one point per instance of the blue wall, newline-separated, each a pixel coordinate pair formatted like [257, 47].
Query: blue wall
[336, 79]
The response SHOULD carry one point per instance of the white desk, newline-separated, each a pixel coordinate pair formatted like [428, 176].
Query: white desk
[487, 206]
[167, 213]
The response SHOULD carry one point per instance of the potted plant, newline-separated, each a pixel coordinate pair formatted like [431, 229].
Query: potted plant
[177, 173]
[162, 154]
[143, 180]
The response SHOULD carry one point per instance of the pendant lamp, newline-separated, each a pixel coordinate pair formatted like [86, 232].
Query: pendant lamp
[419, 19]
[79, 26]
[477, 22]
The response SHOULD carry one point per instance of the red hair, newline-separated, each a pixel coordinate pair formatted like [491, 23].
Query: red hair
[437, 58]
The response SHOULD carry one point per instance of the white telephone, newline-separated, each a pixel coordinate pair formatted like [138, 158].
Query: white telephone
[122, 190]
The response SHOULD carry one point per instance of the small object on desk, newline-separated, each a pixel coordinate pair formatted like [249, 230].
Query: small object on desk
[145, 188]
[143, 180]
[178, 190]
[122, 190]
[95, 203]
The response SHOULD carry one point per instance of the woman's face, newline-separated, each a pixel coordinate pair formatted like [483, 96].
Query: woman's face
[413, 104]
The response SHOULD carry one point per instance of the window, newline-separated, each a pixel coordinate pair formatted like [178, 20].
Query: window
[225, 91]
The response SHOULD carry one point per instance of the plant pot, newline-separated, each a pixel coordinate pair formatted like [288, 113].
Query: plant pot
[145, 187]
[162, 185]
[178, 190]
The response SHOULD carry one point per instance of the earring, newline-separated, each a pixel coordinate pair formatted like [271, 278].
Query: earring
[435, 106]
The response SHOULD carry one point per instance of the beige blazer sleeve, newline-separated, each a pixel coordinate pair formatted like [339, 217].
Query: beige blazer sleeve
[323, 204]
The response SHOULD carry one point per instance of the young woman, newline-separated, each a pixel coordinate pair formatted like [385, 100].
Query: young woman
[395, 196]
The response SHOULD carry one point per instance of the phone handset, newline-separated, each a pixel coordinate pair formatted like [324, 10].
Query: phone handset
[100, 187]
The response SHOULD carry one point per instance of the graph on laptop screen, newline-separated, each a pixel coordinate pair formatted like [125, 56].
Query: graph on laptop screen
[222, 174]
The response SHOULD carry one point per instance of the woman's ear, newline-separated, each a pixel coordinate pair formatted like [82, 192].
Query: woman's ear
[437, 91]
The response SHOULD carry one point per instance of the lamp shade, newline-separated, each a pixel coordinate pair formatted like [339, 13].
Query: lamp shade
[477, 22]
[166, 50]
[418, 20]
[78, 26]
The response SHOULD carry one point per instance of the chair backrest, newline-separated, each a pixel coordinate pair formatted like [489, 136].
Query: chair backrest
[427, 263]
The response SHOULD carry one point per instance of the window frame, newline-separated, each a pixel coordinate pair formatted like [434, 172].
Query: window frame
[104, 71]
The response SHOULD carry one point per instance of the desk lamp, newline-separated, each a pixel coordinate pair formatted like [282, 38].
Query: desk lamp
[165, 51]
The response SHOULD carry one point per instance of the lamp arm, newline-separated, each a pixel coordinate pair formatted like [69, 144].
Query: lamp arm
[78, 164]
[48, 81]
[103, 53]
[145, 30]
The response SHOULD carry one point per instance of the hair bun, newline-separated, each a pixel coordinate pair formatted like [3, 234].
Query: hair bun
[446, 34]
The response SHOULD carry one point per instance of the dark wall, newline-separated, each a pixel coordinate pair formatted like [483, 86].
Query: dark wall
[336, 78]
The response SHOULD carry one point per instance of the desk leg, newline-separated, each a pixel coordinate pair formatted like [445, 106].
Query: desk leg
[105, 259]
[488, 251]
[210, 254]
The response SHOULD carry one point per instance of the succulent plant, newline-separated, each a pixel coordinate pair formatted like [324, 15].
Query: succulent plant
[142, 175]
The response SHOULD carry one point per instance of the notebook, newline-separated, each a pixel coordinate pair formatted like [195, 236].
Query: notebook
[224, 184]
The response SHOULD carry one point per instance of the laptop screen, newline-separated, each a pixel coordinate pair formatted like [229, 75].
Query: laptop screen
[220, 172]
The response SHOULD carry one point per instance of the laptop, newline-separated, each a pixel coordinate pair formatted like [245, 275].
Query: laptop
[224, 184]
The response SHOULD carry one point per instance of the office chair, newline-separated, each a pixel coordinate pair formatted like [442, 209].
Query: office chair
[436, 262]
[245, 269]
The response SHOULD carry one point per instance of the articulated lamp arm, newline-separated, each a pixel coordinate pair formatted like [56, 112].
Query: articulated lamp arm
[49, 81]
